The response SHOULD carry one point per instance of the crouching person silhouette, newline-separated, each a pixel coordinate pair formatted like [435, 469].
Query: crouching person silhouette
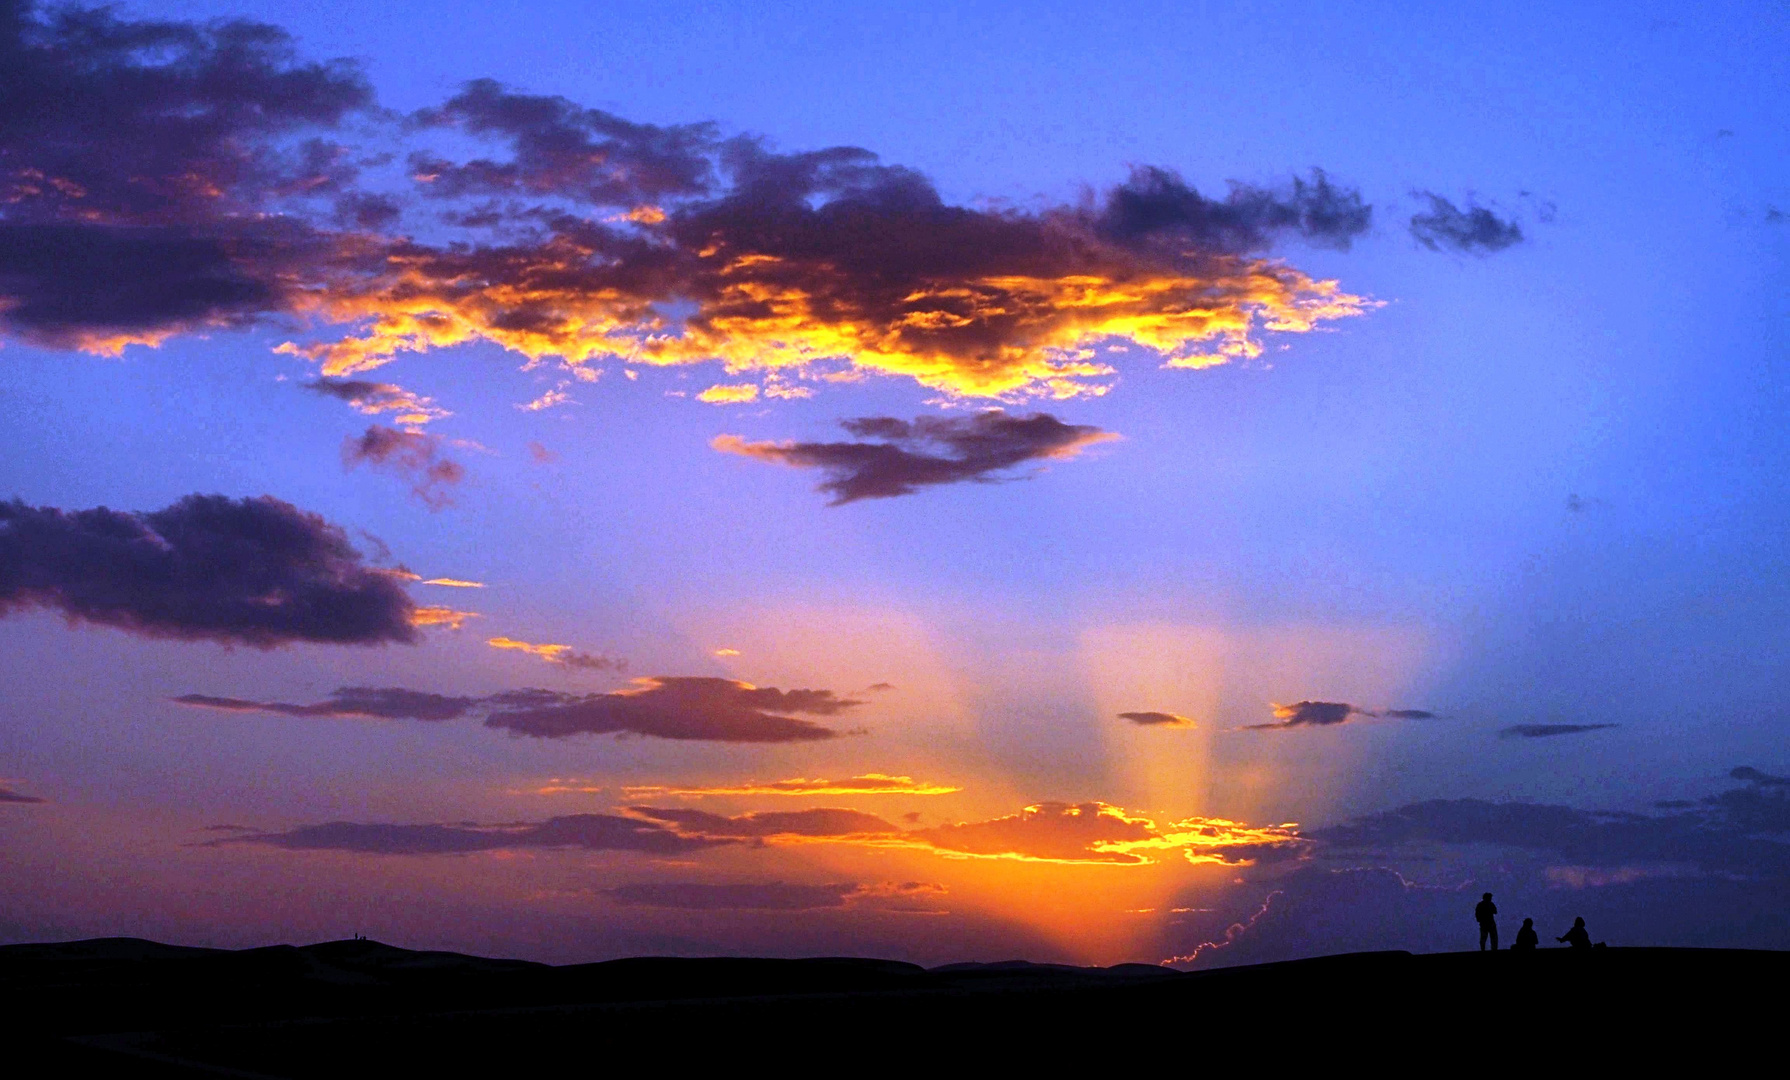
[1577, 937]
[1526, 938]
[1487, 915]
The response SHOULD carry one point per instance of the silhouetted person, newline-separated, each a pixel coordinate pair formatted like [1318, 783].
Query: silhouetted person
[1577, 937]
[1487, 914]
[1526, 938]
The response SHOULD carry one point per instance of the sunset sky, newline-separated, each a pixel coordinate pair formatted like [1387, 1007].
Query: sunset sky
[1186, 482]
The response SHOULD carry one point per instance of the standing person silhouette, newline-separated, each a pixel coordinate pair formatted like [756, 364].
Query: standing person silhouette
[1526, 940]
[1487, 914]
[1577, 937]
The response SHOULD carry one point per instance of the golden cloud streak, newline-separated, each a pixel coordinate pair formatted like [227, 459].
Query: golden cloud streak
[454, 583]
[867, 784]
[441, 616]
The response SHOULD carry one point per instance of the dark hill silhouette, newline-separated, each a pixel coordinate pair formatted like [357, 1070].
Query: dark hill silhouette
[121, 1006]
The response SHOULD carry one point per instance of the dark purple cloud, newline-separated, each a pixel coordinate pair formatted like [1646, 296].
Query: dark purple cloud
[1547, 731]
[663, 706]
[410, 455]
[7, 795]
[1157, 206]
[928, 451]
[1310, 714]
[379, 703]
[1156, 719]
[592, 832]
[135, 156]
[254, 571]
[560, 148]
[674, 707]
[1474, 230]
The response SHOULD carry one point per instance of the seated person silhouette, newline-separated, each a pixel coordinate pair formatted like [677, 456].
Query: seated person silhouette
[1526, 939]
[1577, 937]
[1487, 915]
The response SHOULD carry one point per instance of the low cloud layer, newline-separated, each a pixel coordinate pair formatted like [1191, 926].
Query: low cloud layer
[1095, 832]
[1548, 731]
[412, 456]
[821, 821]
[252, 571]
[407, 410]
[928, 451]
[775, 896]
[1474, 230]
[7, 795]
[591, 832]
[366, 702]
[164, 177]
[665, 707]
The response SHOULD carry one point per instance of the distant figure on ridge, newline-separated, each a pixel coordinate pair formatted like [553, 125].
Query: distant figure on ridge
[1487, 914]
[1526, 939]
[1577, 937]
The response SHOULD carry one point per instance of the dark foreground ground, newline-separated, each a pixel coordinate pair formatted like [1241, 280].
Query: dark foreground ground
[123, 1007]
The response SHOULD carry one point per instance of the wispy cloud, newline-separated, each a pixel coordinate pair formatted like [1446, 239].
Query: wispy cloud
[411, 455]
[409, 410]
[1548, 731]
[563, 655]
[1474, 230]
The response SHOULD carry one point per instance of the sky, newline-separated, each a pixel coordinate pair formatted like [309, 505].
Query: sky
[1196, 483]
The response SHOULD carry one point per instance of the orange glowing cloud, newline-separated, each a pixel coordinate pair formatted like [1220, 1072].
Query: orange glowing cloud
[454, 583]
[724, 394]
[441, 616]
[559, 654]
[867, 784]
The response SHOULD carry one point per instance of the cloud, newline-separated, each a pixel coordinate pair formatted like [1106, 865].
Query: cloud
[564, 655]
[540, 455]
[410, 455]
[931, 450]
[818, 822]
[453, 583]
[1156, 719]
[591, 832]
[1754, 776]
[378, 703]
[1472, 231]
[674, 707]
[663, 706]
[139, 158]
[1544, 731]
[441, 616]
[7, 795]
[164, 177]
[723, 394]
[1407, 714]
[376, 398]
[254, 571]
[867, 784]
[1311, 714]
[1722, 834]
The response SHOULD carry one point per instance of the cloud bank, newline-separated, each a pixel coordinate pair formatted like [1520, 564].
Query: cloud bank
[1548, 731]
[164, 177]
[254, 571]
[930, 450]
[867, 784]
[1156, 719]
